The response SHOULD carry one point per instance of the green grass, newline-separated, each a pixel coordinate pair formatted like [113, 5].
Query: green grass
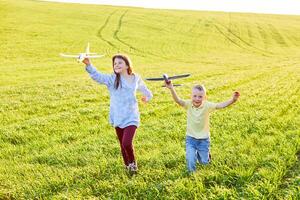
[55, 139]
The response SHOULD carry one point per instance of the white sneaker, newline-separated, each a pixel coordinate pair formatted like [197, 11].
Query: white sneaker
[132, 167]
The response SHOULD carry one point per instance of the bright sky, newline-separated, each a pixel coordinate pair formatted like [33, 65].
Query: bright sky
[253, 6]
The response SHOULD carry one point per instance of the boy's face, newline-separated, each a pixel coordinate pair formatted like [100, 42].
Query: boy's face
[120, 66]
[197, 97]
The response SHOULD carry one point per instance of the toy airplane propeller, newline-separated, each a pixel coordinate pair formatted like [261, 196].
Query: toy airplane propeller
[84, 55]
[167, 79]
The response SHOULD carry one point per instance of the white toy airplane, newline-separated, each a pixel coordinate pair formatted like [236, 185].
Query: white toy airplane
[84, 55]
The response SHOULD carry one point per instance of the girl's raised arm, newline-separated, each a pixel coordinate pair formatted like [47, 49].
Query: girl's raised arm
[95, 75]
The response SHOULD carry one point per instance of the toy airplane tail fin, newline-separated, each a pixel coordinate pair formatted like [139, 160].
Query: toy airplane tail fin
[87, 51]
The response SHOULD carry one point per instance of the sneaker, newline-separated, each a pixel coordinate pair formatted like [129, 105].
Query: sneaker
[132, 167]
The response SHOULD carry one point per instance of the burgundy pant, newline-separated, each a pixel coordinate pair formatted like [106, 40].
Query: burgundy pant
[125, 136]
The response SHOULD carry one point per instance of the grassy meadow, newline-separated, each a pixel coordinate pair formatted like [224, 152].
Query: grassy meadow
[55, 138]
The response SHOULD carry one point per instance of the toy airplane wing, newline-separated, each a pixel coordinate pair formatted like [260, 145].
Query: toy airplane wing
[171, 77]
[179, 76]
[82, 56]
[95, 56]
[155, 79]
[68, 56]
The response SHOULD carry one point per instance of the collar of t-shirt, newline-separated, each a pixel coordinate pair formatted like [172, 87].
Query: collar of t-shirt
[201, 106]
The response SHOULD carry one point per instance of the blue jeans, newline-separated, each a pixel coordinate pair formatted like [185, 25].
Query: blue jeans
[196, 149]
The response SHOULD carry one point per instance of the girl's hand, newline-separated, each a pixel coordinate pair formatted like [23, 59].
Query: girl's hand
[169, 85]
[86, 61]
[144, 99]
[236, 96]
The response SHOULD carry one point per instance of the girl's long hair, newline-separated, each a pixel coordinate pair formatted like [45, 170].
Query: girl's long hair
[129, 70]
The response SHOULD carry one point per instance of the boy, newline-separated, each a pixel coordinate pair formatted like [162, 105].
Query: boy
[197, 134]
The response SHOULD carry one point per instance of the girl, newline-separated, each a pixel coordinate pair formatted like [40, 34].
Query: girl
[197, 133]
[124, 113]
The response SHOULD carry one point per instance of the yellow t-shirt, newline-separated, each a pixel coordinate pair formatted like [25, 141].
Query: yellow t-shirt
[198, 119]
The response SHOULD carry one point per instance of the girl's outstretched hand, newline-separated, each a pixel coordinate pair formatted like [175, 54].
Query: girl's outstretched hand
[144, 99]
[236, 96]
[86, 61]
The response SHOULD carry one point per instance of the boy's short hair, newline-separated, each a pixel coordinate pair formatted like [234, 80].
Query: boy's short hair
[200, 88]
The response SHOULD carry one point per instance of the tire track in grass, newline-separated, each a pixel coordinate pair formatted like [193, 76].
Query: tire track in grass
[110, 43]
[116, 37]
[233, 42]
[232, 33]
[293, 39]
[131, 47]
[264, 36]
[277, 36]
[249, 47]
[250, 33]
[140, 52]
[100, 31]
[236, 36]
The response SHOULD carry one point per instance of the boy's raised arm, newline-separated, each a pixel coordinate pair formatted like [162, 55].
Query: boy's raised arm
[225, 104]
[174, 95]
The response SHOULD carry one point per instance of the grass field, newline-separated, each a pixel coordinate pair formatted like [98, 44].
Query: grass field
[55, 139]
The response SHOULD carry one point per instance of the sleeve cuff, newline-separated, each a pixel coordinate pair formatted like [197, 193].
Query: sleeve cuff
[90, 68]
[148, 98]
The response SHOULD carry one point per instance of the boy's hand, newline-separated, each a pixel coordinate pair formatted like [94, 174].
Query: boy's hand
[235, 96]
[169, 84]
[86, 61]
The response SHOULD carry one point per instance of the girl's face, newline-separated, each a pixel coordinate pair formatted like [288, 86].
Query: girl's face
[197, 97]
[120, 66]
